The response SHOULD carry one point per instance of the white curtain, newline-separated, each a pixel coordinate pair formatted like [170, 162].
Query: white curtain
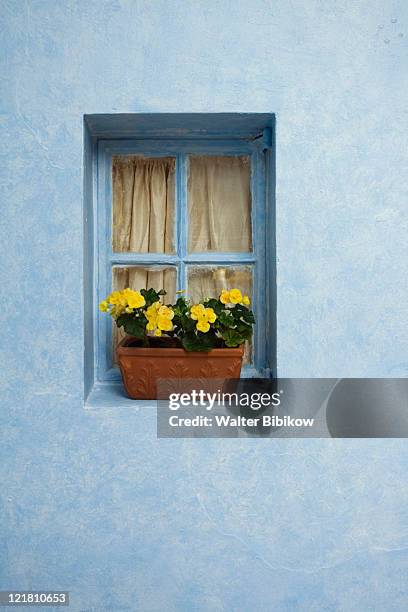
[139, 277]
[219, 199]
[143, 204]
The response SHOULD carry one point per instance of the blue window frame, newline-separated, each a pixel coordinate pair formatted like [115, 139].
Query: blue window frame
[260, 259]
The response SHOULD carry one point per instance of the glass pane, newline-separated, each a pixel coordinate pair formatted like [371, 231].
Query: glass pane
[219, 204]
[137, 277]
[204, 282]
[146, 277]
[143, 191]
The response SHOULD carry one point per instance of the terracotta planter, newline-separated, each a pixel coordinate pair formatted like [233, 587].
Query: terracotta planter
[142, 367]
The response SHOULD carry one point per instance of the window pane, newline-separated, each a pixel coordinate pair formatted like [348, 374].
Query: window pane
[146, 277]
[143, 204]
[137, 277]
[204, 282]
[219, 204]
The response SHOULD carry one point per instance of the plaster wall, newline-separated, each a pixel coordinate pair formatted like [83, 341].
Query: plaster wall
[91, 501]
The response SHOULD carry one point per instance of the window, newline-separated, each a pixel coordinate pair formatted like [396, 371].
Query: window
[184, 213]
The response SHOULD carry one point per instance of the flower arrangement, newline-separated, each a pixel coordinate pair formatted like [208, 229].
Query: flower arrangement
[226, 321]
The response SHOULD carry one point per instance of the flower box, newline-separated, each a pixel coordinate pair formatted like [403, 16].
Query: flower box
[178, 341]
[142, 367]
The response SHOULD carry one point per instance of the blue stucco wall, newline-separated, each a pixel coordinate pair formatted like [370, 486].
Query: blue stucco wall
[91, 501]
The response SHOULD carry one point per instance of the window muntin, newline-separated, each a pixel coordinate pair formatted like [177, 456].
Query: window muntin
[143, 277]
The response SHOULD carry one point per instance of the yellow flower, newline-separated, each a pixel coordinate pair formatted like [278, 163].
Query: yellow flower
[103, 306]
[203, 315]
[246, 301]
[151, 311]
[123, 299]
[181, 291]
[203, 326]
[210, 315]
[235, 296]
[225, 296]
[159, 316]
[197, 311]
[165, 311]
[114, 297]
[164, 323]
[135, 299]
[116, 310]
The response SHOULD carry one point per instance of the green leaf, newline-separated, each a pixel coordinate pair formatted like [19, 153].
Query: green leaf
[248, 316]
[226, 319]
[182, 302]
[183, 322]
[188, 324]
[232, 338]
[245, 330]
[121, 320]
[190, 342]
[132, 326]
[215, 305]
[150, 295]
[199, 342]
[239, 311]
[208, 340]
[181, 307]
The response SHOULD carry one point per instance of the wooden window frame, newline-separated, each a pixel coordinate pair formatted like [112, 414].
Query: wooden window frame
[261, 259]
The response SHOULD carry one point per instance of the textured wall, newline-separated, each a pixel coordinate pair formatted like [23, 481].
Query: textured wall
[91, 501]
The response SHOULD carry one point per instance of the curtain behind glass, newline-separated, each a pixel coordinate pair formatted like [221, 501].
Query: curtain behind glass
[143, 204]
[138, 277]
[219, 205]
[205, 282]
[143, 220]
[143, 214]
[219, 198]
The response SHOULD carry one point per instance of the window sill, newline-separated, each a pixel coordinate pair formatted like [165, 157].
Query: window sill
[111, 394]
